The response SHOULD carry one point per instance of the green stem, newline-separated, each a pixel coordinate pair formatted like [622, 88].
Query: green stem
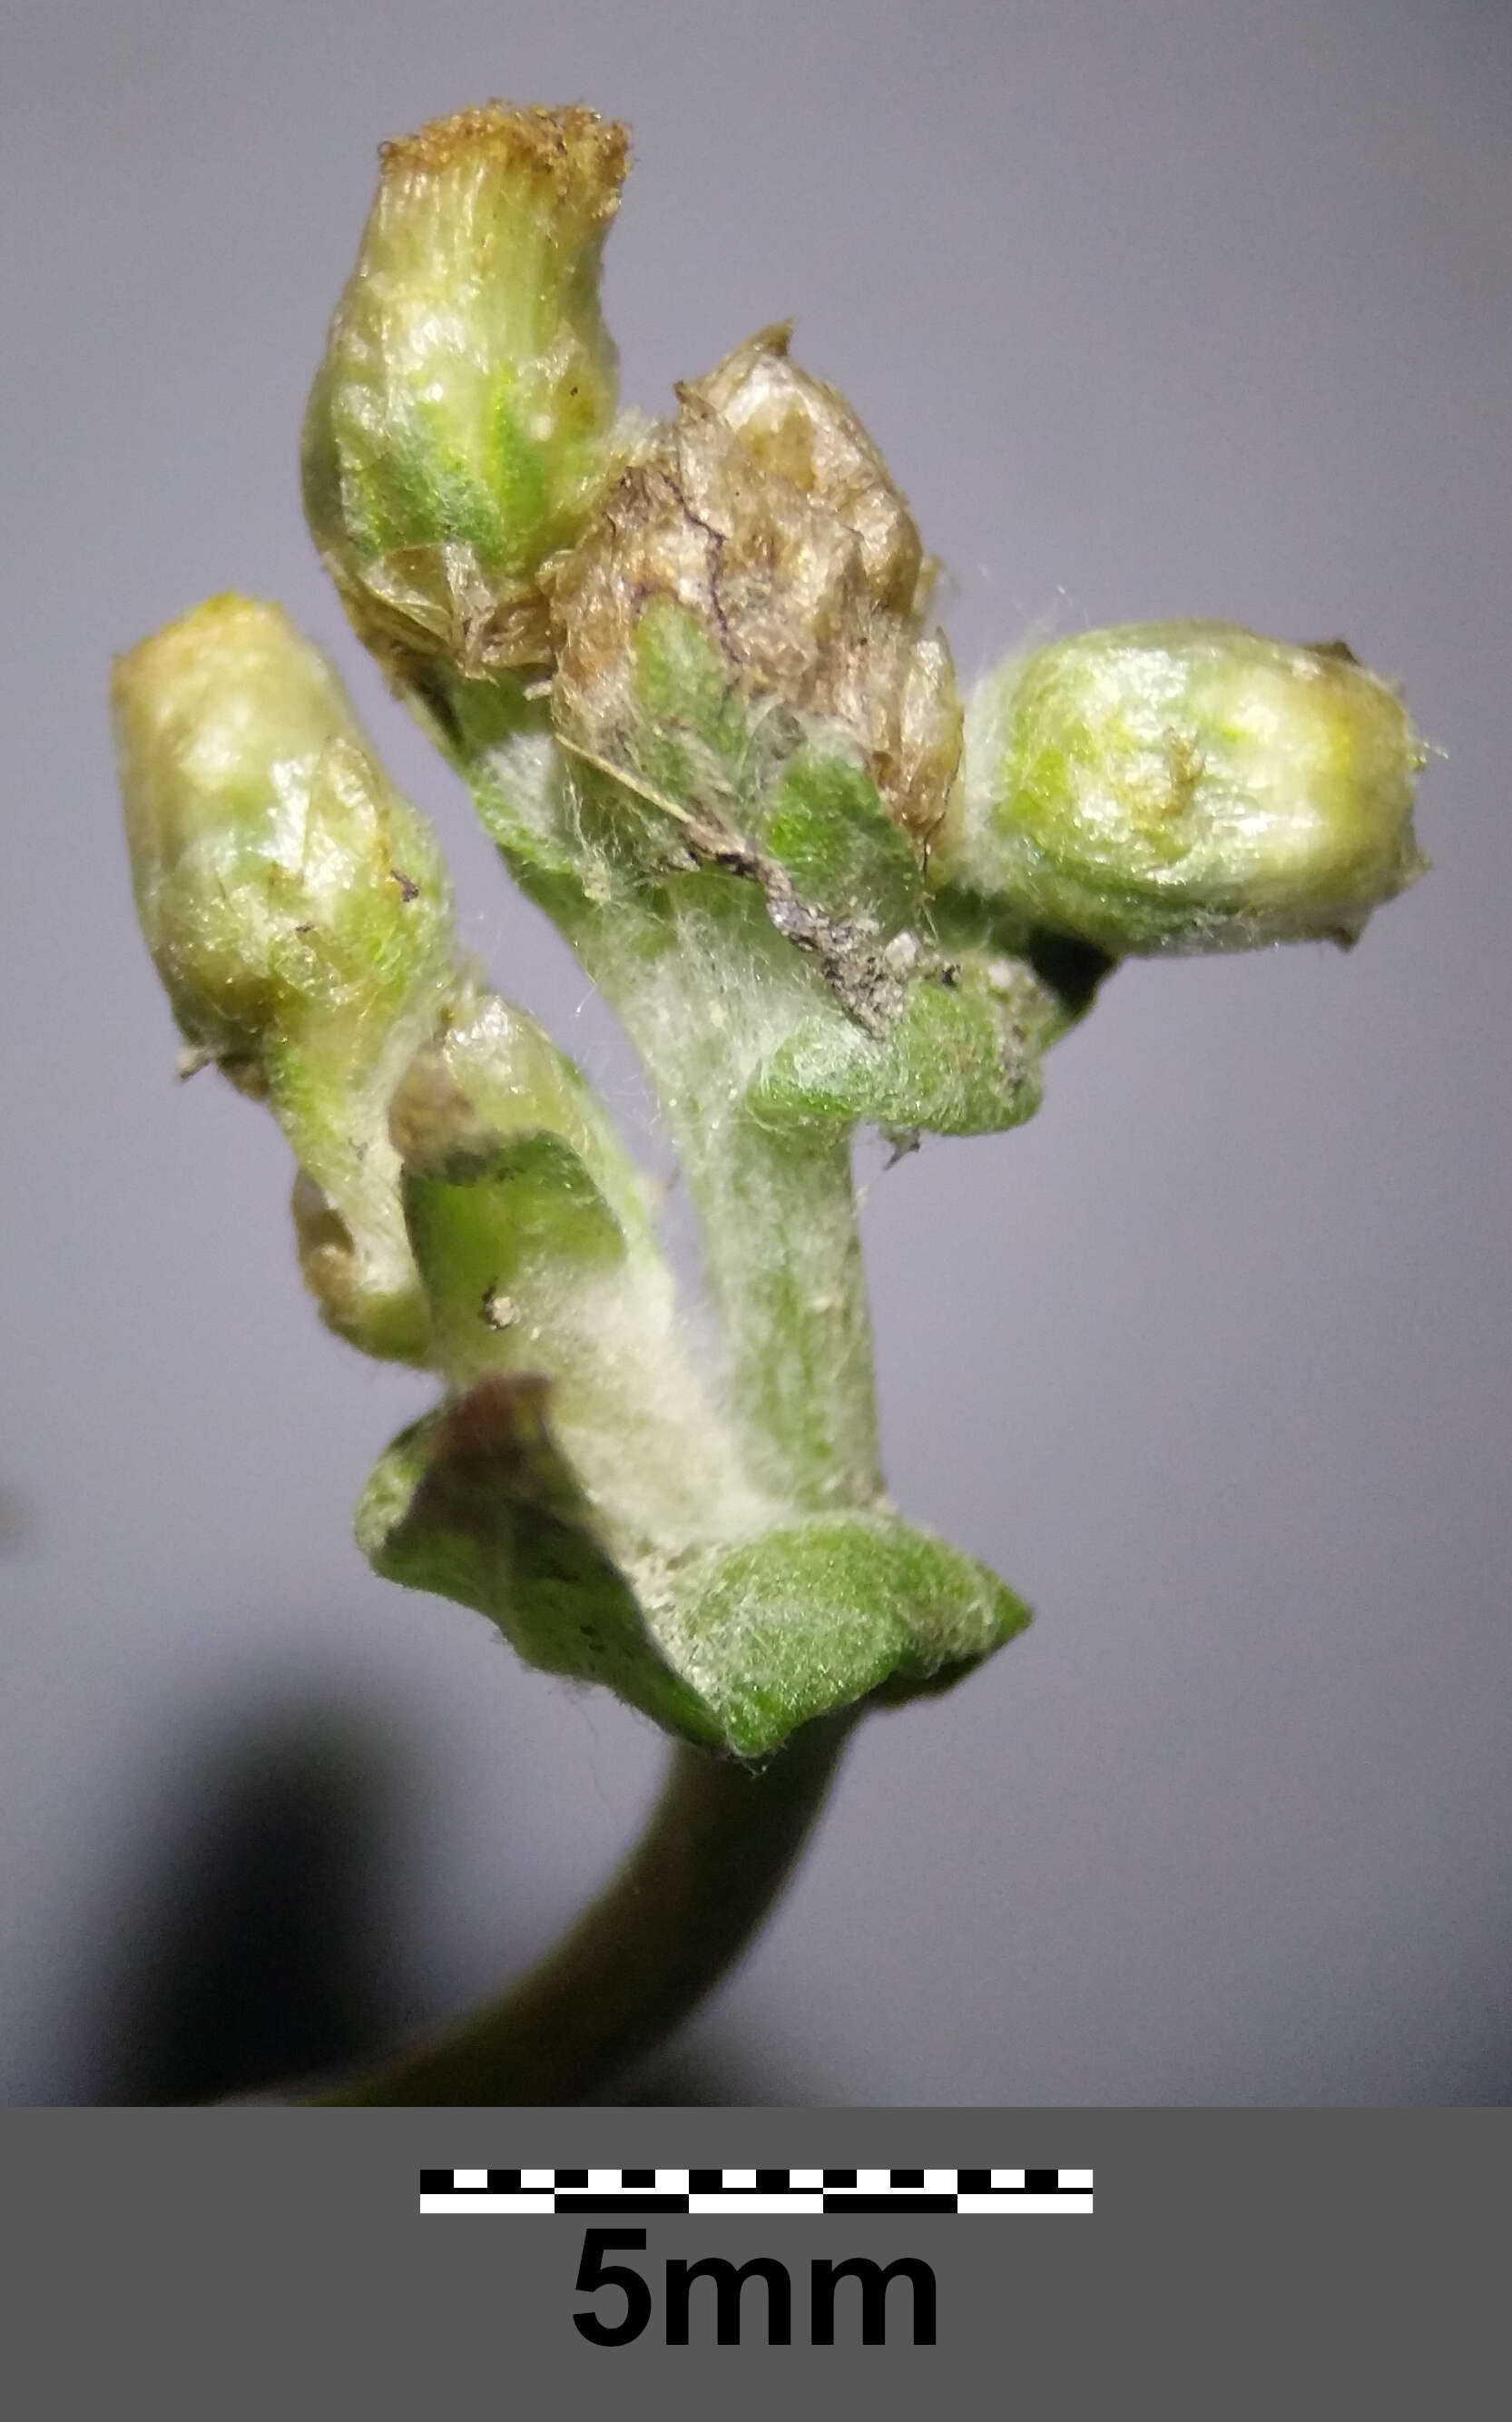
[704, 991]
[782, 1263]
[721, 1843]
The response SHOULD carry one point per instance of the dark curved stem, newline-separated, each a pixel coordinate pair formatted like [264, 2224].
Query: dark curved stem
[718, 1847]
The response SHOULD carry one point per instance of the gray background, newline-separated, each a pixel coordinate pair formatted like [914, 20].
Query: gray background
[1156, 309]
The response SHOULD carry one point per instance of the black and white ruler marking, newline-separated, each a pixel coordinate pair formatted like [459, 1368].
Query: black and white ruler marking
[798, 2193]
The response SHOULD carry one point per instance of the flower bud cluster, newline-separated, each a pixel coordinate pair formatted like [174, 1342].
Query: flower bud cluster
[691, 674]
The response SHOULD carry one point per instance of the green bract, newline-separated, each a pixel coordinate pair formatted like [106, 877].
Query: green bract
[1188, 786]
[688, 672]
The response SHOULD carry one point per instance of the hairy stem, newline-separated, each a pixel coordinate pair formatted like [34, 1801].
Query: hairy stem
[717, 1847]
[703, 995]
[782, 1261]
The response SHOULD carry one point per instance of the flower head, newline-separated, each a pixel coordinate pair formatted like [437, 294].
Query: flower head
[1188, 786]
[461, 423]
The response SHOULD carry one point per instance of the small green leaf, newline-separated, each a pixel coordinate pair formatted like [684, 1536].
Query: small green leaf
[961, 1058]
[475, 1503]
[809, 1618]
[735, 1647]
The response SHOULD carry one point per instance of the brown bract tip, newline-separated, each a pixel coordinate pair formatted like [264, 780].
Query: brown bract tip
[572, 151]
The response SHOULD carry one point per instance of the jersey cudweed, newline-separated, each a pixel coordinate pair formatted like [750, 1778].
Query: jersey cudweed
[688, 672]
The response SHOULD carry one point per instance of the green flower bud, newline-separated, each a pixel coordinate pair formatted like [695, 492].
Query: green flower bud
[298, 913]
[460, 428]
[1187, 786]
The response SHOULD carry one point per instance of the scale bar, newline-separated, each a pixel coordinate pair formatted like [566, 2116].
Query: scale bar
[707, 2195]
